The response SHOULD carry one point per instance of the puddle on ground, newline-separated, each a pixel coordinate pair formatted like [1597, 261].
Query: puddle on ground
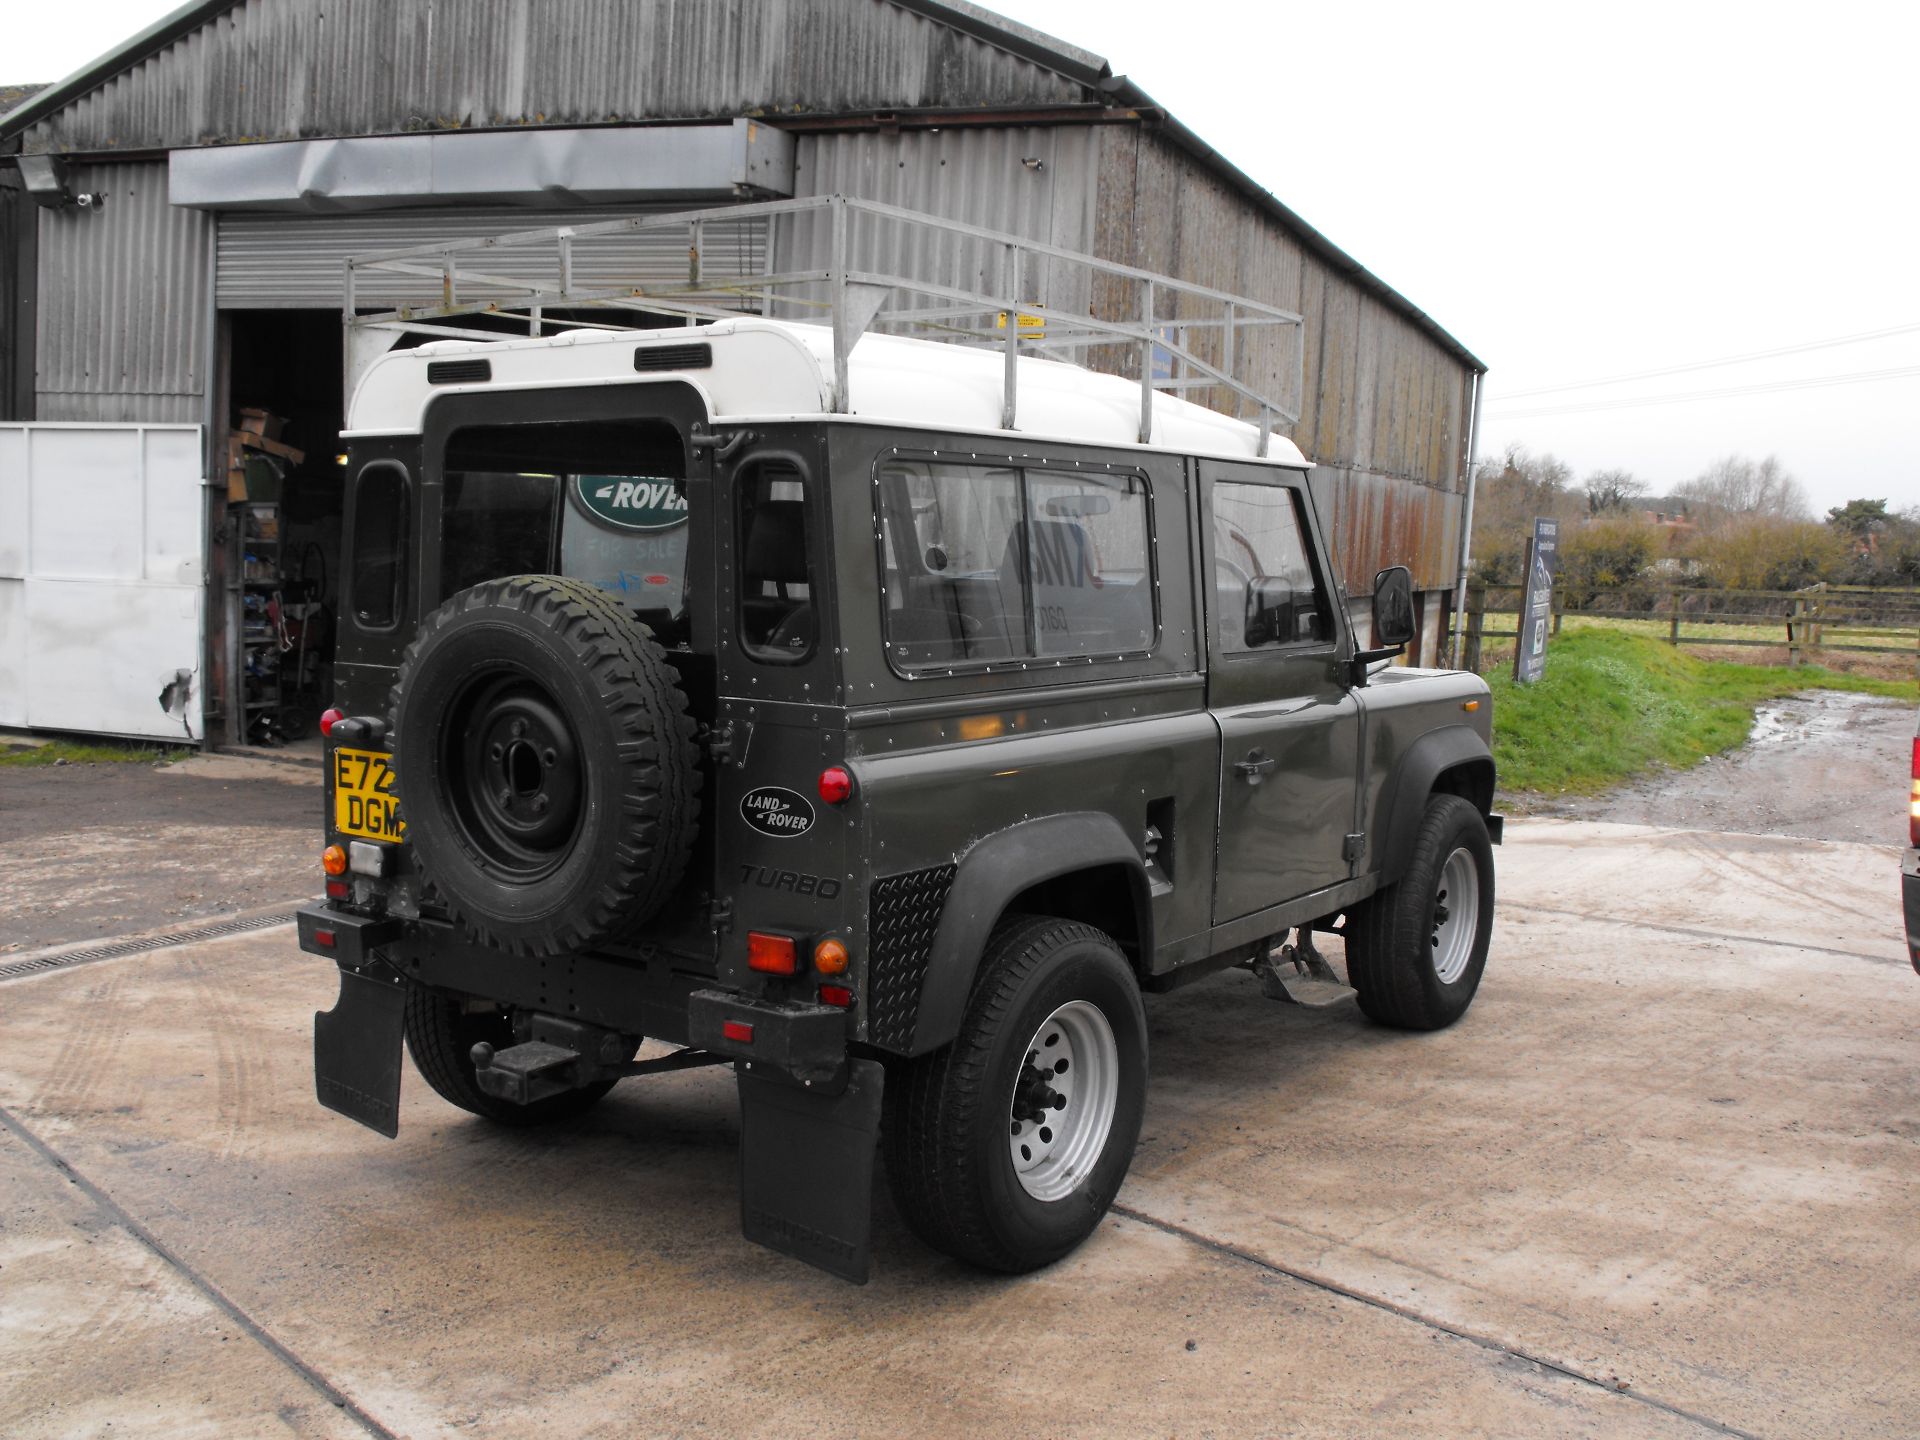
[1800, 718]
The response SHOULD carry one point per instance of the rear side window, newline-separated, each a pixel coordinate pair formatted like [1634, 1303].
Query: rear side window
[1265, 590]
[777, 617]
[380, 516]
[986, 564]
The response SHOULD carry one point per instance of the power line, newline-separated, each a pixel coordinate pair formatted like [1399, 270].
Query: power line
[1691, 365]
[1858, 377]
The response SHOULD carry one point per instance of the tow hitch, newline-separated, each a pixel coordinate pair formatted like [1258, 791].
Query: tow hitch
[564, 1055]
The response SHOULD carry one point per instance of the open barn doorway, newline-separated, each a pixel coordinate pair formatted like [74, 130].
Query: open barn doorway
[279, 539]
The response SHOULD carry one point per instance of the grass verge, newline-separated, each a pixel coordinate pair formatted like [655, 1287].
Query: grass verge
[72, 752]
[1614, 704]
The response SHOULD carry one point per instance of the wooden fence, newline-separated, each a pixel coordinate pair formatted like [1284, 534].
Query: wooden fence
[1803, 622]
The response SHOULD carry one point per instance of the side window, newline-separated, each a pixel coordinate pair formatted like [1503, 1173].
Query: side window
[380, 516]
[989, 563]
[1265, 590]
[777, 618]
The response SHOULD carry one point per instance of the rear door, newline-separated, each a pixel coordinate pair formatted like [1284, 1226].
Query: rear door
[1289, 725]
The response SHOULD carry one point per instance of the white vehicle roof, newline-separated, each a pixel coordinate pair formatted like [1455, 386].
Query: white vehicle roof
[769, 370]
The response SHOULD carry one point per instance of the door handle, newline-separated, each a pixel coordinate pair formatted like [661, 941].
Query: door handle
[1254, 768]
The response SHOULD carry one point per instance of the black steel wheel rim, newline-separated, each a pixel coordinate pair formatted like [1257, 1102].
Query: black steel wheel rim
[513, 769]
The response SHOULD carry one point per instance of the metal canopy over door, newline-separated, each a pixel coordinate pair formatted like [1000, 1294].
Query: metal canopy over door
[1289, 725]
[270, 261]
[102, 579]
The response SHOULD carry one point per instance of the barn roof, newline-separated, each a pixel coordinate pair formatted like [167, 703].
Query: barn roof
[1047, 73]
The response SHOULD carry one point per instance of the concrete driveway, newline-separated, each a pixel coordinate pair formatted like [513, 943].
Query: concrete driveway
[1663, 1180]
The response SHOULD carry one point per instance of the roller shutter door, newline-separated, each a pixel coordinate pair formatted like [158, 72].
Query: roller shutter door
[276, 261]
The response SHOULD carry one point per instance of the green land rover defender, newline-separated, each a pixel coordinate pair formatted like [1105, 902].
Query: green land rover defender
[879, 716]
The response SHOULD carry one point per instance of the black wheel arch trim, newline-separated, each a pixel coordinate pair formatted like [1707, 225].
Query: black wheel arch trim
[1404, 799]
[999, 867]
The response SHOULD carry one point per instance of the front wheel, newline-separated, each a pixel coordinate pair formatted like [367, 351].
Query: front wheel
[1006, 1148]
[1416, 949]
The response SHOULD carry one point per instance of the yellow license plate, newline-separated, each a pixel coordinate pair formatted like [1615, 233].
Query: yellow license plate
[363, 799]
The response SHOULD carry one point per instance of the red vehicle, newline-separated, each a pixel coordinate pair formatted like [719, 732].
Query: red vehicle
[1910, 865]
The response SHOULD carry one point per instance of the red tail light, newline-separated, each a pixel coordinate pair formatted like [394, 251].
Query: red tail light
[738, 1031]
[835, 785]
[1913, 800]
[838, 995]
[338, 890]
[327, 718]
[772, 954]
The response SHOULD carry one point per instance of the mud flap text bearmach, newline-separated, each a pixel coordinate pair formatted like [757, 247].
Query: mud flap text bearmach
[356, 1050]
[806, 1168]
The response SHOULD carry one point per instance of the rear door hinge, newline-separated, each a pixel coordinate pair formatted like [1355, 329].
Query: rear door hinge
[1354, 848]
[720, 915]
[727, 743]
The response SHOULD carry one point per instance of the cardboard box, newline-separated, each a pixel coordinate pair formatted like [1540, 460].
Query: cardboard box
[259, 422]
[239, 440]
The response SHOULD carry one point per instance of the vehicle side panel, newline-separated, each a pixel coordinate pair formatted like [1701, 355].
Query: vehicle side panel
[1418, 728]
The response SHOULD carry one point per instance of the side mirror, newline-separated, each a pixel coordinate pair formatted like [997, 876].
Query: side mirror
[1393, 607]
[1269, 611]
[1393, 625]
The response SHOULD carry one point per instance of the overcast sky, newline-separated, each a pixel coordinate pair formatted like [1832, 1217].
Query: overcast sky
[1575, 192]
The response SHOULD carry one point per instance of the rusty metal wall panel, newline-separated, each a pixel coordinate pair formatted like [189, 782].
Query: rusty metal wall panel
[1375, 521]
[122, 302]
[288, 69]
[977, 175]
[1161, 211]
[1384, 408]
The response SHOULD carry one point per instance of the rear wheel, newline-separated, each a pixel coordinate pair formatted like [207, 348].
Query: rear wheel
[441, 1032]
[1416, 949]
[1006, 1148]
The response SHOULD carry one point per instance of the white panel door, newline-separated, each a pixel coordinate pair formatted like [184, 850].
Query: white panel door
[102, 579]
[13, 652]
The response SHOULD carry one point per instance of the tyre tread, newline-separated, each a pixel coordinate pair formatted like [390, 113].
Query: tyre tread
[936, 1102]
[660, 786]
[1390, 926]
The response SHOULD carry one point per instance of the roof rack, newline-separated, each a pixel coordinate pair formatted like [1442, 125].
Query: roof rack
[856, 265]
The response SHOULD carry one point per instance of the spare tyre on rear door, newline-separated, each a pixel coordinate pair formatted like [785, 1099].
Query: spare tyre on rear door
[544, 761]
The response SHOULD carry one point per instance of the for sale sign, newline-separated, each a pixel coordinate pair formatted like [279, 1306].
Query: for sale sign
[1536, 602]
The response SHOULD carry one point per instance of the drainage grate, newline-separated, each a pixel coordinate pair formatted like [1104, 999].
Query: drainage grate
[39, 964]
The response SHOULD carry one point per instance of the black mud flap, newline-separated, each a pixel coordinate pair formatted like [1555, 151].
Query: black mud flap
[356, 1051]
[806, 1168]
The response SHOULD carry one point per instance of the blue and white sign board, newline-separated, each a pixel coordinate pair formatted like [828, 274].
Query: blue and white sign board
[1536, 603]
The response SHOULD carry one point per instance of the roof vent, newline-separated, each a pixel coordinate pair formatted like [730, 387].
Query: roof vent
[458, 372]
[674, 357]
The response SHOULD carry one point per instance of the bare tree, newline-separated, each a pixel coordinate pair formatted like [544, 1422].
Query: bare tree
[1512, 492]
[1609, 491]
[1739, 486]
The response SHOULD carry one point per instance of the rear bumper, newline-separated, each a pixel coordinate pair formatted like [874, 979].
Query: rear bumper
[804, 1043]
[344, 938]
[1910, 903]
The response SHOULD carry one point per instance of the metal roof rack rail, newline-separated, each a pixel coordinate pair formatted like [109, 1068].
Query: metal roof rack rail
[874, 267]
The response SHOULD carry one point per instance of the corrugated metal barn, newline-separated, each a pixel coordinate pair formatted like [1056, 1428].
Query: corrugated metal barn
[194, 192]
